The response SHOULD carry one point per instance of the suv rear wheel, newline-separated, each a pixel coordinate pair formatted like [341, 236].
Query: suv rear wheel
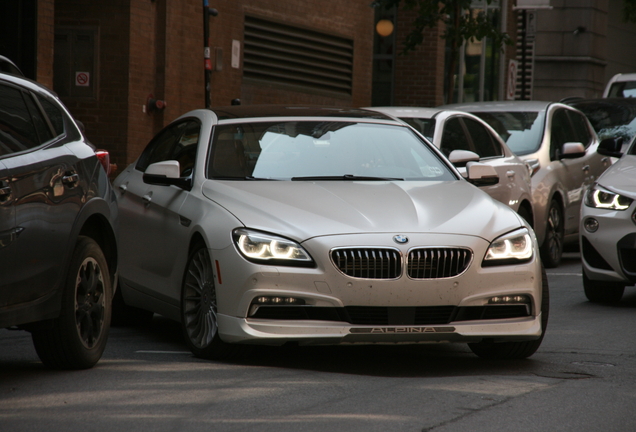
[77, 338]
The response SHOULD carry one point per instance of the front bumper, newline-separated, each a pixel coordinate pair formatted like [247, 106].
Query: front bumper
[266, 332]
[609, 253]
[342, 309]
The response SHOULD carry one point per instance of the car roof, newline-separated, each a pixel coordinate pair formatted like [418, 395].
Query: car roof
[407, 112]
[26, 83]
[500, 106]
[623, 77]
[263, 111]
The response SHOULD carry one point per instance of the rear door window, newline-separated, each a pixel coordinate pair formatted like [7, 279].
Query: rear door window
[22, 126]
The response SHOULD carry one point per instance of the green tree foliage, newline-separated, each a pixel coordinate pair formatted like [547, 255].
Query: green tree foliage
[629, 11]
[459, 25]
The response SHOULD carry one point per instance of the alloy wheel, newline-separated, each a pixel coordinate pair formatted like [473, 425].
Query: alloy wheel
[199, 300]
[90, 302]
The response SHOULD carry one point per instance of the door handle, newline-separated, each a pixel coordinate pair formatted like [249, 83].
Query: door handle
[147, 198]
[5, 193]
[586, 168]
[123, 188]
[70, 180]
[510, 174]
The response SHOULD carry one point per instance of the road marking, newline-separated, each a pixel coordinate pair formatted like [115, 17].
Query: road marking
[565, 274]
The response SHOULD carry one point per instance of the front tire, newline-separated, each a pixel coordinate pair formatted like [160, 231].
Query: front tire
[552, 247]
[517, 350]
[199, 309]
[77, 338]
[602, 291]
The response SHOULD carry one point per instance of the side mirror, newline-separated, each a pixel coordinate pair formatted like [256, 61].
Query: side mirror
[166, 173]
[481, 174]
[572, 150]
[611, 147]
[460, 158]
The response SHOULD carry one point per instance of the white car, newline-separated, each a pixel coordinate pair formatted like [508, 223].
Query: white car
[274, 225]
[560, 144]
[608, 233]
[456, 130]
[621, 85]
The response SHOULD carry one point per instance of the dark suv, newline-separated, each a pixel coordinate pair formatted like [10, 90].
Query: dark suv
[58, 254]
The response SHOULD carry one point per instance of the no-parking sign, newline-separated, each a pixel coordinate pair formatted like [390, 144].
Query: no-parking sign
[82, 79]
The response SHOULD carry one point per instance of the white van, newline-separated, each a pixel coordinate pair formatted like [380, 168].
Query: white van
[621, 85]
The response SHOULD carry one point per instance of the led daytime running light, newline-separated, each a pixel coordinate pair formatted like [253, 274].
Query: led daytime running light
[604, 199]
[516, 246]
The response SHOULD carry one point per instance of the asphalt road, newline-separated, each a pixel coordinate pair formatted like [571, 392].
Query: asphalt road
[583, 378]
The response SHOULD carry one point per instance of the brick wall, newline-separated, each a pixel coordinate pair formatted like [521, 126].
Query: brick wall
[156, 48]
[45, 34]
[351, 19]
[419, 75]
[106, 115]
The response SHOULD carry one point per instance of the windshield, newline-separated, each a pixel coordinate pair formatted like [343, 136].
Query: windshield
[610, 119]
[521, 130]
[322, 150]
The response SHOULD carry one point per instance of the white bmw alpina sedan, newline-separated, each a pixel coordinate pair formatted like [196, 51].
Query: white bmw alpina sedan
[274, 225]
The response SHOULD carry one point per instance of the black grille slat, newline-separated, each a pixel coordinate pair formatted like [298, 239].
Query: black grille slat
[368, 263]
[438, 263]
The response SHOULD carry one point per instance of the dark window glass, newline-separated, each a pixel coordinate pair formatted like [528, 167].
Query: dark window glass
[581, 130]
[454, 137]
[54, 113]
[177, 142]
[484, 144]
[41, 126]
[17, 132]
[561, 132]
[424, 126]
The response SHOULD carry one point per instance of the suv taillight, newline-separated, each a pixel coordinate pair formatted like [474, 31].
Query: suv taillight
[104, 159]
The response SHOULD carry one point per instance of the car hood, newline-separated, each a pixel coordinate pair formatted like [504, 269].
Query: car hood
[621, 176]
[302, 209]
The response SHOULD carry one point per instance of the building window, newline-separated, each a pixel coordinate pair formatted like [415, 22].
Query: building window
[478, 70]
[74, 69]
[281, 54]
[383, 57]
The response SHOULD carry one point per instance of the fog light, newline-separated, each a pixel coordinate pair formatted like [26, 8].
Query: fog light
[273, 301]
[510, 299]
[590, 225]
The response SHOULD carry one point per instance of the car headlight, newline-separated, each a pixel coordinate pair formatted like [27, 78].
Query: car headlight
[512, 248]
[601, 198]
[264, 248]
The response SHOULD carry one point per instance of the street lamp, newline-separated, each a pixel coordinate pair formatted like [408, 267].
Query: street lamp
[384, 27]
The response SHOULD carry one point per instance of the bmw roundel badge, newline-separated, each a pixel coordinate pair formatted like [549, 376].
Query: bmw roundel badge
[401, 239]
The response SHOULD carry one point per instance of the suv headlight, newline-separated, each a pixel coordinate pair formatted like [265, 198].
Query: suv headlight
[271, 249]
[512, 248]
[601, 198]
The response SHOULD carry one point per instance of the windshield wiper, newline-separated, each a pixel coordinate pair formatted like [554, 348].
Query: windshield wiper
[346, 177]
[244, 178]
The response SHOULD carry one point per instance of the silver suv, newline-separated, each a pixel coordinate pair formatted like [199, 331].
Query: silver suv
[58, 254]
[560, 145]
